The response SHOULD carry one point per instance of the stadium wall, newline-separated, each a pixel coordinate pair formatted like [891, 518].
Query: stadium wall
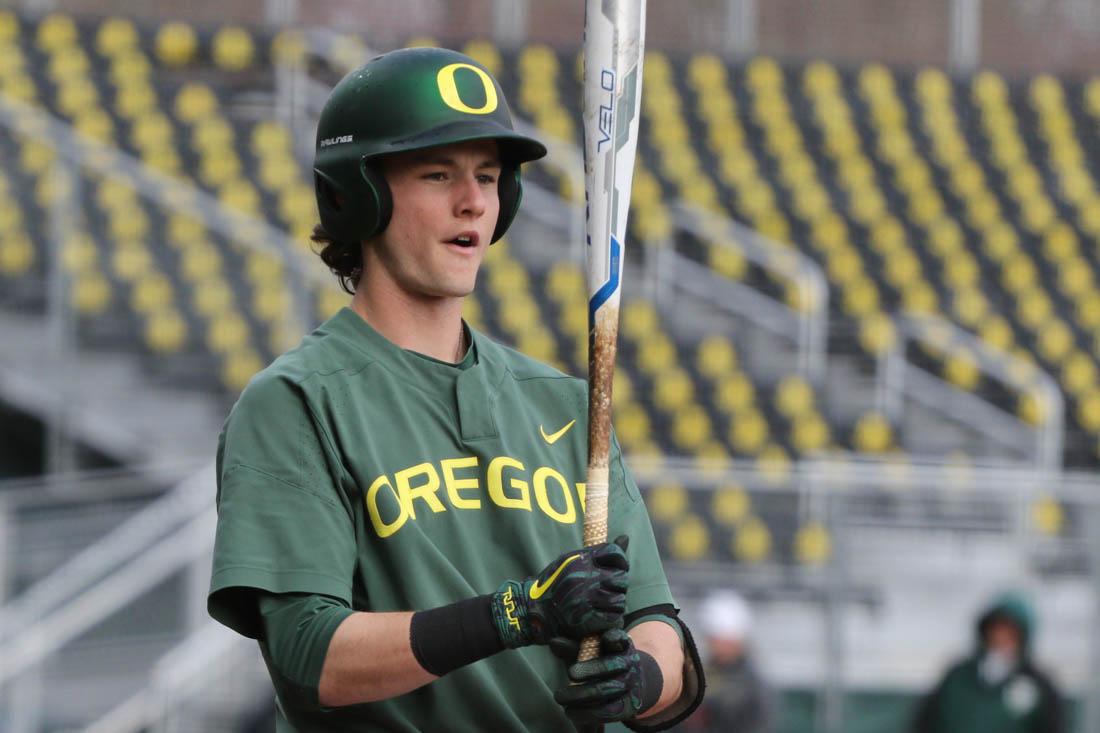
[1015, 36]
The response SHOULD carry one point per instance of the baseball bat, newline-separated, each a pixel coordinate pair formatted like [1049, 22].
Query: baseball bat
[614, 42]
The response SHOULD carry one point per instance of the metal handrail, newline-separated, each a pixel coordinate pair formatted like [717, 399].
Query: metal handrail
[80, 574]
[809, 323]
[174, 677]
[67, 621]
[897, 378]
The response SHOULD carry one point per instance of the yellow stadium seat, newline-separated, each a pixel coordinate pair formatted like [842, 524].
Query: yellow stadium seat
[961, 371]
[716, 356]
[486, 54]
[115, 35]
[752, 542]
[211, 296]
[233, 48]
[794, 396]
[135, 101]
[349, 51]
[227, 332]
[876, 334]
[77, 96]
[690, 428]
[659, 354]
[1034, 308]
[639, 320]
[1056, 340]
[10, 29]
[673, 389]
[748, 432]
[735, 393]
[270, 138]
[774, 464]
[288, 47]
[91, 293]
[518, 312]
[278, 172]
[873, 434]
[631, 422]
[79, 253]
[131, 261]
[176, 44]
[57, 32]
[1047, 515]
[130, 67]
[861, 297]
[195, 102]
[689, 539]
[17, 254]
[331, 300]
[997, 332]
[1088, 411]
[667, 502]
[812, 545]
[730, 505]
[565, 283]
[96, 124]
[239, 366]
[151, 292]
[810, 433]
[1078, 373]
[240, 195]
[165, 331]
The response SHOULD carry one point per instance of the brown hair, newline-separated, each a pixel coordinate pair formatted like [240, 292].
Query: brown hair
[345, 260]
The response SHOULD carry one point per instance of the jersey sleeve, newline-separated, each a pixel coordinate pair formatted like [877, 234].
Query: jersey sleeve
[284, 524]
[628, 515]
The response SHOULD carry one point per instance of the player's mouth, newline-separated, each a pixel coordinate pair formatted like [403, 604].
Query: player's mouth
[466, 240]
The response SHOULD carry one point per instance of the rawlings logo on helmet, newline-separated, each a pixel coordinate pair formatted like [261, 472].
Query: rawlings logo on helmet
[336, 140]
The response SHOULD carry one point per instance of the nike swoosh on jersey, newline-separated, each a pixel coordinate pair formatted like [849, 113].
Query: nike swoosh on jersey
[537, 589]
[553, 437]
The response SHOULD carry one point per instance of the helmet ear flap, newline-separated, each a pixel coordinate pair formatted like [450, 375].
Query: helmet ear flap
[378, 203]
[510, 193]
[356, 211]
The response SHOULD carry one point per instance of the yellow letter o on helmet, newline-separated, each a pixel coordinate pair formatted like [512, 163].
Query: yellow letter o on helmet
[449, 90]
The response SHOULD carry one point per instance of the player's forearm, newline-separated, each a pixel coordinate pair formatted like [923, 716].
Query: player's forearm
[370, 659]
[660, 641]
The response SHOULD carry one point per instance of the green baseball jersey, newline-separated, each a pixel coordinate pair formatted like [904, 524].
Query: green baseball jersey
[392, 481]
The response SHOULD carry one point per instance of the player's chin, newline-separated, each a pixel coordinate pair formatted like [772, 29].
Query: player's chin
[454, 287]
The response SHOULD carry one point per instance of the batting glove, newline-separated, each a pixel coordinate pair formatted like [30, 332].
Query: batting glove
[579, 594]
[620, 684]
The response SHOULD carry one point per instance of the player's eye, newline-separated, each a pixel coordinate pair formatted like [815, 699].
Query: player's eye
[487, 179]
[435, 176]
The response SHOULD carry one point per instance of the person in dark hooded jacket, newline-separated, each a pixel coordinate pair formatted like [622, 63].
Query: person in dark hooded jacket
[998, 689]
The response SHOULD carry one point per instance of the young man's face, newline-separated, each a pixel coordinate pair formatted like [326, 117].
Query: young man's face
[445, 208]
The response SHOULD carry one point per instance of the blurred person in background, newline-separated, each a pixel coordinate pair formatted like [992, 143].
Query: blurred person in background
[998, 689]
[738, 700]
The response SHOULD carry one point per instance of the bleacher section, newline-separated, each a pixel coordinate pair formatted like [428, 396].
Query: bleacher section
[974, 199]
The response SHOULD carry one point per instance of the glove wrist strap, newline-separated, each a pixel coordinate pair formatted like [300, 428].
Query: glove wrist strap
[446, 638]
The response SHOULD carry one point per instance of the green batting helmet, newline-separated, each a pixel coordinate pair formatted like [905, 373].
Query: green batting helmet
[409, 99]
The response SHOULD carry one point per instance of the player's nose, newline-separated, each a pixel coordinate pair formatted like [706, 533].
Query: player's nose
[470, 198]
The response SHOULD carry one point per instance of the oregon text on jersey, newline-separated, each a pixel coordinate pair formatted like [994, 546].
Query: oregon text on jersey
[504, 477]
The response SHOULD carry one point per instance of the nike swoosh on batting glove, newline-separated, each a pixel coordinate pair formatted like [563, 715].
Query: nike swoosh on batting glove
[580, 593]
[620, 684]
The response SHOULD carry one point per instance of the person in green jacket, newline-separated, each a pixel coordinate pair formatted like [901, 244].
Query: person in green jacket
[998, 689]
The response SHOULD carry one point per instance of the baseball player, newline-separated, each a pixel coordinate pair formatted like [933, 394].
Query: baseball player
[400, 498]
